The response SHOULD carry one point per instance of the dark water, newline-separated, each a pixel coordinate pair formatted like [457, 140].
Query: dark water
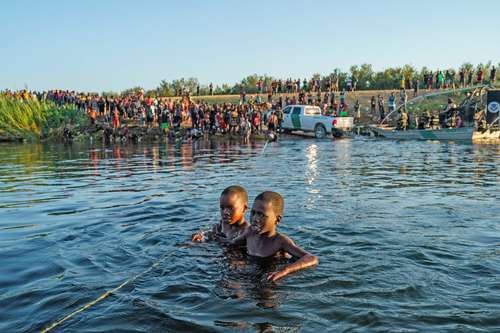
[407, 233]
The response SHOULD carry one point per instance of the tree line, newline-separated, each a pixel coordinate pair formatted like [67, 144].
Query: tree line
[364, 77]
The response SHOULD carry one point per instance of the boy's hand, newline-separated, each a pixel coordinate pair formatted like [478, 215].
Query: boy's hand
[276, 275]
[198, 237]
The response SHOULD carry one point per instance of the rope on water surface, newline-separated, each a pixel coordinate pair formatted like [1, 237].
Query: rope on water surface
[102, 296]
[265, 146]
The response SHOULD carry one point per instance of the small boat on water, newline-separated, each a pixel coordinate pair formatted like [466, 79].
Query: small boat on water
[479, 112]
[454, 134]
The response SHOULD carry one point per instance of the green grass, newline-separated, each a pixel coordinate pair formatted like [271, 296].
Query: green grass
[31, 120]
[436, 103]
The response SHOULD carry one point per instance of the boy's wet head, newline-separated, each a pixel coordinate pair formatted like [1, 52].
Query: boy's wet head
[233, 204]
[267, 211]
[275, 199]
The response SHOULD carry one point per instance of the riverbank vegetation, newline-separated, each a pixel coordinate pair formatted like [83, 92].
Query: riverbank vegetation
[32, 120]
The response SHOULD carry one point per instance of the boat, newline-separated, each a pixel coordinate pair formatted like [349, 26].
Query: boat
[480, 121]
[452, 134]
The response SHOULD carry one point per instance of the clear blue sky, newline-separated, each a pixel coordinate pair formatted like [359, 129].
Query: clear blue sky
[112, 45]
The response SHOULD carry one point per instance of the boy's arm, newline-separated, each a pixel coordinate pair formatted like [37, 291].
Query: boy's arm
[305, 259]
[240, 240]
[201, 236]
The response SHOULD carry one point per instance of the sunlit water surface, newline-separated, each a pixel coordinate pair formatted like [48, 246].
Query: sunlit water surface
[407, 233]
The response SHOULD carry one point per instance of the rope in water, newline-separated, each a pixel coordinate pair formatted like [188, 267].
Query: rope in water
[102, 296]
[263, 149]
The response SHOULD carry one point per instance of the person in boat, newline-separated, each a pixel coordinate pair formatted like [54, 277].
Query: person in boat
[427, 120]
[453, 120]
[458, 120]
[399, 120]
[435, 124]
[417, 122]
[233, 205]
[451, 106]
[446, 117]
[262, 239]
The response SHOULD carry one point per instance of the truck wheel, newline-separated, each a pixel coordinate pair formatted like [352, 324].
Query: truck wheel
[319, 131]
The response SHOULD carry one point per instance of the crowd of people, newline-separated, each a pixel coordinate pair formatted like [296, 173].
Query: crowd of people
[197, 117]
[452, 116]
[252, 114]
[449, 79]
[439, 79]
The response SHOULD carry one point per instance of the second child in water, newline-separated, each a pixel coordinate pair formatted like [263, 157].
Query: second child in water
[233, 205]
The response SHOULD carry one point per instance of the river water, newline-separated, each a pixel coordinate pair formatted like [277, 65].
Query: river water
[407, 233]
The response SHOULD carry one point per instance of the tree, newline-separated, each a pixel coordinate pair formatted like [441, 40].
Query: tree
[184, 85]
[249, 84]
[109, 93]
[132, 91]
[467, 66]
[408, 71]
[316, 76]
[362, 75]
[165, 89]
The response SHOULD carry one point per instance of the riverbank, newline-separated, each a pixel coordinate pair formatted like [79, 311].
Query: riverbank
[30, 120]
[134, 133]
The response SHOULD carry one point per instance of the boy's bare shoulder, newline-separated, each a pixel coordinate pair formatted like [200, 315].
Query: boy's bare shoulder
[288, 245]
[284, 239]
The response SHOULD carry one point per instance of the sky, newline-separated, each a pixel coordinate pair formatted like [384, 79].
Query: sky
[111, 45]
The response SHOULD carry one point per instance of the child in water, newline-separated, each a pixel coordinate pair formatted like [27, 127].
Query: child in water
[262, 239]
[233, 205]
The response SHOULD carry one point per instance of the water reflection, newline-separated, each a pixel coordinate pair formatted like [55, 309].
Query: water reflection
[312, 163]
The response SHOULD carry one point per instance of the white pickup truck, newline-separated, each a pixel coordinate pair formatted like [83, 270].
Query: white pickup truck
[308, 118]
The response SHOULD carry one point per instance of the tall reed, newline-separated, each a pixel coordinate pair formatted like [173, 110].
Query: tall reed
[31, 119]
